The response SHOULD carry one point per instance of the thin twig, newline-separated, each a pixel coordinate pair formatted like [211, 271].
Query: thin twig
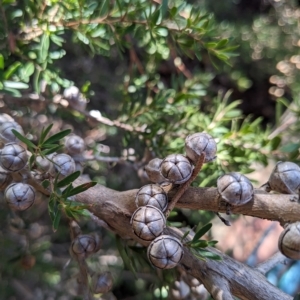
[185, 186]
[269, 264]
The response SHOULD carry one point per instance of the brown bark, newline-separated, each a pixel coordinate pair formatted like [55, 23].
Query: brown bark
[221, 278]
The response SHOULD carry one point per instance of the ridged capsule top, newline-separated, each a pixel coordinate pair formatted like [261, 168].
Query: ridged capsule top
[285, 178]
[152, 194]
[235, 188]
[19, 196]
[198, 143]
[148, 222]
[13, 157]
[176, 168]
[165, 252]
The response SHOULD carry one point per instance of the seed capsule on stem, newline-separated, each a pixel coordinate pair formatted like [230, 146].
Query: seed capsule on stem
[84, 245]
[102, 283]
[6, 134]
[148, 222]
[235, 188]
[153, 170]
[198, 143]
[165, 252]
[19, 196]
[152, 194]
[176, 168]
[13, 157]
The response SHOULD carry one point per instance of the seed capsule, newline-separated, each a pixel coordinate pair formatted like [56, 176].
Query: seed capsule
[19, 196]
[43, 165]
[13, 157]
[165, 252]
[285, 178]
[64, 164]
[176, 168]
[4, 118]
[148, 222]
[289, 241]
[6, 134]
[153, 195]
[153, 171]
[198, 143]
[85, 245]
[74, 145]
[102, 283]
[235, 188]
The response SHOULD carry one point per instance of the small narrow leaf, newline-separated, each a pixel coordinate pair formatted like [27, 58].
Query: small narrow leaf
[58, 136]
[44, 134]
[23, 139]
[199, 244]
[208, 254]
[56, 220]
[1, 62]
[45, 183]
[200, 232]
[52, 150]
[31, 160]
[185, 235]
[81, 188]
[69, 179]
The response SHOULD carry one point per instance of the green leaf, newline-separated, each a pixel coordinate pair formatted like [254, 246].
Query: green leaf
[81, 188]
[200, 232]
[44, 47]
[23, 139]
[52, 150]
[44, 134]
[185, 235]
[67, 190]
[212, 243]
[11, 70]
[2, 65]
[69, 179]
[31, 160]
[15, 85]
[28, 69]
[45, 183]
[56, 220]
[199, 244]
[208, 254]
[104, 8]
[58, 136]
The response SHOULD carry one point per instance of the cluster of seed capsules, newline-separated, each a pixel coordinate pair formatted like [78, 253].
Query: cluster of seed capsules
[14, 159]
[148, 221]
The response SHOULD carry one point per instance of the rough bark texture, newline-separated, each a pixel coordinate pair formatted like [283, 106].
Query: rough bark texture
[220, 278]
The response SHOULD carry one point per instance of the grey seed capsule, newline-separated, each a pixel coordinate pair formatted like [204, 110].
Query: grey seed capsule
[85, 245]
[64, 164]
[5, 179]
[148, 222]
[176, 168]
[102, 283]
[165, 252]
[43, 164]
[19, 196]
[13, 157]
[235, 188]
[198, 143]
[285, 178]
[6, 134]
[153, 170]
[74, 145]
[152, 194]
[4, 118]
[289, 241]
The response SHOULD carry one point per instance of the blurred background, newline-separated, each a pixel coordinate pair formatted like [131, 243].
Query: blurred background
[143, 89]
